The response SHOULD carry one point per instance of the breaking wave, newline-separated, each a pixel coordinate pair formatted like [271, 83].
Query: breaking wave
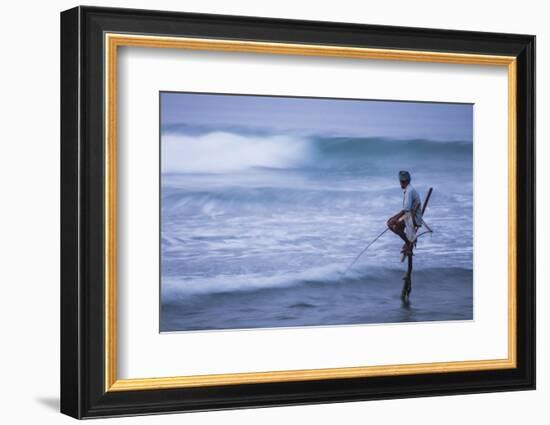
[224, 152]
[219, 152]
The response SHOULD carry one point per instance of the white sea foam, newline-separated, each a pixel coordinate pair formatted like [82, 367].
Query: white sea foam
[219, 152]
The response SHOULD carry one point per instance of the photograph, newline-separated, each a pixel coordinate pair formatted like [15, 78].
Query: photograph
[286, 211]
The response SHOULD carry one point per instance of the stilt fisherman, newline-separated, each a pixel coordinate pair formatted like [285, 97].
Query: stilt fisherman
[407, 221]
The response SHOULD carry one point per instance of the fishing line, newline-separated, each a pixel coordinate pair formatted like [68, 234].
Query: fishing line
[423, 233]
[373, 241]
[367, 247]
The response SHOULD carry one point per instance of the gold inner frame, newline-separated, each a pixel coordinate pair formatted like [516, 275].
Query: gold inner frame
[113, 41]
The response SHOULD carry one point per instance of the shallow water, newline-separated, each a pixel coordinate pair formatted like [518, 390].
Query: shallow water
[438, 294]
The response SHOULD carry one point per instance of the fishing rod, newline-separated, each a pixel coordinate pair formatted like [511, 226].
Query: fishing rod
[367, 247]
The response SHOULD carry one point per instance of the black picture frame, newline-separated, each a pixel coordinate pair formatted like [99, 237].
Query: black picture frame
[83, 392]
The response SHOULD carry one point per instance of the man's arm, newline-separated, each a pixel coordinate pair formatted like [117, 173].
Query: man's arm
[394, 219]
[407, 203]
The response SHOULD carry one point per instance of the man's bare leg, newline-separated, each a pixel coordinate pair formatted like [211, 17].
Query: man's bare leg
[398, 227]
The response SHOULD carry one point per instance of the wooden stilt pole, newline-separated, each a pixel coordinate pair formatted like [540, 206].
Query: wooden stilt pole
[407, 284]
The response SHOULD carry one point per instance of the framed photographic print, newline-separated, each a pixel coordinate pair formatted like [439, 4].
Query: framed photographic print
[261, 212]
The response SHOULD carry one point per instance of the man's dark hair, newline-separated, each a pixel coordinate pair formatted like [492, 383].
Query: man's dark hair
[404, 176]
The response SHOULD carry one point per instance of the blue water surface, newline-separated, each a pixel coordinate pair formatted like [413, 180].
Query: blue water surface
[258, 229]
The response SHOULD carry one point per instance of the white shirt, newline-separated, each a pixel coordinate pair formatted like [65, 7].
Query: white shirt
[412, 203]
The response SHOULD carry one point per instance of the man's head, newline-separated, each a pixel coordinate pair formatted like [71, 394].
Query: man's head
[404, 178]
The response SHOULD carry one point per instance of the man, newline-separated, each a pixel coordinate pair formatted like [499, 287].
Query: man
[409, 219]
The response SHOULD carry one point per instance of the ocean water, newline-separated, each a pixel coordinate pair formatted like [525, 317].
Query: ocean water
[257, 231]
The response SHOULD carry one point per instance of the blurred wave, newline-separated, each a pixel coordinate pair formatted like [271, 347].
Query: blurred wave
[218, 152]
